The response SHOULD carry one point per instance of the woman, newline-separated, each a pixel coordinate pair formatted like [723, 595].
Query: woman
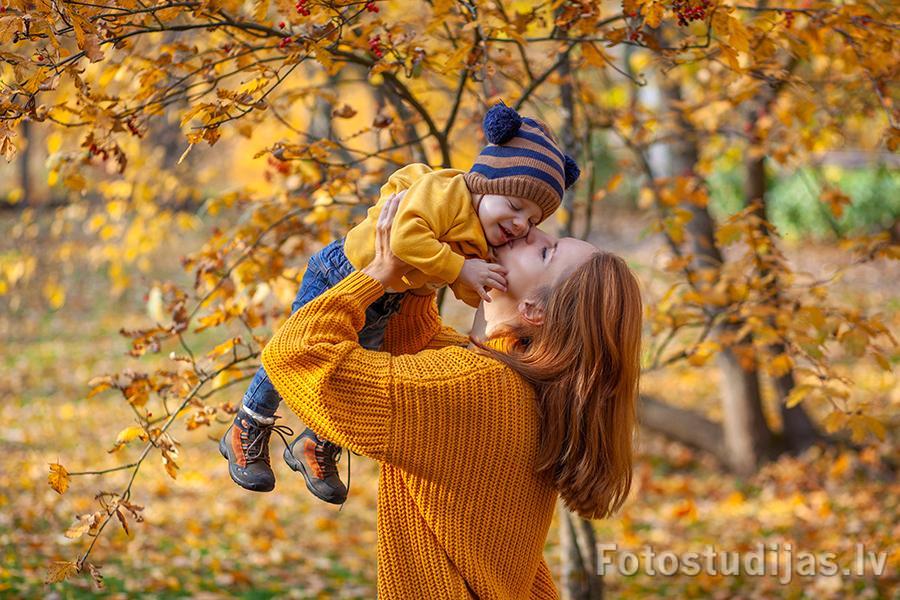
[475, 443]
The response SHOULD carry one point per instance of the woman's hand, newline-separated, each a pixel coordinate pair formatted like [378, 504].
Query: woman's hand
[386, 268]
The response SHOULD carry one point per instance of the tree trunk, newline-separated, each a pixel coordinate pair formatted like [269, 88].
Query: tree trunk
[25, 164]
[578, 547]
[682, 425]
[748, 439]
[798, 430]
[568, 138]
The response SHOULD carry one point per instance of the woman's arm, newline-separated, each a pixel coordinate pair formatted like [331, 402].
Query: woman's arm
[371, 402]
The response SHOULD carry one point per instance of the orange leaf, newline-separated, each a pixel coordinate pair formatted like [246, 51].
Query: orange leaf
[58, 478]
[60, 570]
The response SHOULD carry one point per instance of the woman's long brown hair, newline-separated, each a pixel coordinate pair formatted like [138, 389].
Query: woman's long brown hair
[584, 363]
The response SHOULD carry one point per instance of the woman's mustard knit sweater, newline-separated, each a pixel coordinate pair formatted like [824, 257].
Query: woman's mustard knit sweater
[461, 512]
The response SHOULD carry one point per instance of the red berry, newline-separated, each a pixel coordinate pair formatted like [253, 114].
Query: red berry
[281, 25]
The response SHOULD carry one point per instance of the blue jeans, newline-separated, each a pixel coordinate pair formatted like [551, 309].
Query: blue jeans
[326, 268]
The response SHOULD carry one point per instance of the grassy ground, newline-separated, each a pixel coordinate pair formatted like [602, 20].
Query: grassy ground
[204, 537]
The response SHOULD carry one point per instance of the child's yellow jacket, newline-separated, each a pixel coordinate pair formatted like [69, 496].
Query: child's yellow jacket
[435, 230]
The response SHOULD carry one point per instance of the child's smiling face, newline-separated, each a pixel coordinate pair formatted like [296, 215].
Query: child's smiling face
[506, 218]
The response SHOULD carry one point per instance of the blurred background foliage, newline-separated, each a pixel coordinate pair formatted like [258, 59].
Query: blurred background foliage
[170, 166]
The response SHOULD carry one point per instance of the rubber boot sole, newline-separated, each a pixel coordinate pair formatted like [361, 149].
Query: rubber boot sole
[297, 465]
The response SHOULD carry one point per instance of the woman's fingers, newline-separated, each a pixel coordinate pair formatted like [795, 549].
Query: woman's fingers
[483, 293]
[497, 268]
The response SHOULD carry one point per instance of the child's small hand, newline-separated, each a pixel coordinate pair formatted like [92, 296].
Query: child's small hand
[479, 274]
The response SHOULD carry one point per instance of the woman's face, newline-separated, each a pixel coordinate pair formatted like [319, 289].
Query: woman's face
[538, 259]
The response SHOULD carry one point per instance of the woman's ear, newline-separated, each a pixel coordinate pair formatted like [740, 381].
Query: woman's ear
[531, 312]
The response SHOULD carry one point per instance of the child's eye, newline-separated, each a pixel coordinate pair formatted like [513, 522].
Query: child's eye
[544, 253]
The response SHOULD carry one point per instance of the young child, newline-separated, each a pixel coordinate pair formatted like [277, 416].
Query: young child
[443, 228]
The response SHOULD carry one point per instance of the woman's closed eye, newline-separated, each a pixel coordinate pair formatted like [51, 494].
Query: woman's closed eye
[545, 251]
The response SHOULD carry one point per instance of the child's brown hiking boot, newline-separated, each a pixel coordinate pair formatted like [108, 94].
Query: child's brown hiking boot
[246, 447]
[316, 460]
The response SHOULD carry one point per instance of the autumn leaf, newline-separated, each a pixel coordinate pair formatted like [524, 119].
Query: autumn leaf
[83, 524]
[60, 571]
[94, 570]
[7, 148]
[127, 435]
[121, 516]
[58, 478]
[344, 112]
[224, 348]
[99, 384]
[593, 55]
[797, 395]
[653, 14]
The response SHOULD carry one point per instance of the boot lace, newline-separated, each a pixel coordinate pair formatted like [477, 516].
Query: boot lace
[327, 455]
[257, 438]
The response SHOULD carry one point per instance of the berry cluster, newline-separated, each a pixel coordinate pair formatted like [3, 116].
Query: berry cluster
[788, 19]
[302, 8]
[370, 6]
[284, 41]
[688, 10]
[375, 46]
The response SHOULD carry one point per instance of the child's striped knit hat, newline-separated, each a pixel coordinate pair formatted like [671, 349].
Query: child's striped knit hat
[523, 159]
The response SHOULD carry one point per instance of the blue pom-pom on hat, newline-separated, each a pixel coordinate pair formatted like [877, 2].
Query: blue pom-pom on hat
[572, 171]
[501, 123]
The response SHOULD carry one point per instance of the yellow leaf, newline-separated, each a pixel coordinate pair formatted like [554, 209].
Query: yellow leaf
[58, 478]
[260, 9]
[593, 55]
[729, 233]
[129, 434]
[60, 570]
[703, 352]
[840, 466]
[653, 14]
[797, 395]
[614, 182]
[224, 347]
[55, 294]
[780, 365]
[739, 36]
[834, 421]
[171, 467]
